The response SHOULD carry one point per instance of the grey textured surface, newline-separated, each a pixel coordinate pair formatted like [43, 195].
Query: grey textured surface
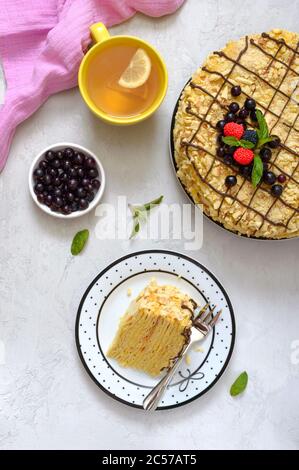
[46, 398]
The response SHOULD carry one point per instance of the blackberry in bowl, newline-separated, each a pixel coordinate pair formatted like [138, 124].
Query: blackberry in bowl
[66, 180]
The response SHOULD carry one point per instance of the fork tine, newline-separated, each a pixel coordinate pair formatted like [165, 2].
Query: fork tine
[210, 313]
[215, 319]
[202, 311]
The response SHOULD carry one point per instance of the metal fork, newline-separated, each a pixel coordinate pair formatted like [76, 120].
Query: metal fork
[203, 323]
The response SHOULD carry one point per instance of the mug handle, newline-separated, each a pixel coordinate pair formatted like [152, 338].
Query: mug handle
[99, 32]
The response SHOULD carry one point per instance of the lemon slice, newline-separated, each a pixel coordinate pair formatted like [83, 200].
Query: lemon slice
[137, 72]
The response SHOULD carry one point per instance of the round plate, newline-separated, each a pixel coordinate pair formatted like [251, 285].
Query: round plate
[105, 302]
[171, 148]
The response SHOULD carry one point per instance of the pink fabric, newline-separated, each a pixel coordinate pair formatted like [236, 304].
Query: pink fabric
[42, 43]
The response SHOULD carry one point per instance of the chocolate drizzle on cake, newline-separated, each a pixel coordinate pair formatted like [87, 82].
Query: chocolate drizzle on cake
[265, 217]
[186, 333]
[186, 307]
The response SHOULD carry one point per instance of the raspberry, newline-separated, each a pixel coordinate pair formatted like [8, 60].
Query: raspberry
[232, 129]
[243, 156]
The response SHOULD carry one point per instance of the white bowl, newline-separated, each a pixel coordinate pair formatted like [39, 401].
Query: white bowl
[98, 195]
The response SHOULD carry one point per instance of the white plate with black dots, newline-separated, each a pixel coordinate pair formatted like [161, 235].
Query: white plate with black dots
[106, 300]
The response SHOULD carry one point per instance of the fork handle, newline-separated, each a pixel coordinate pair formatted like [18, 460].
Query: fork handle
[151, 401]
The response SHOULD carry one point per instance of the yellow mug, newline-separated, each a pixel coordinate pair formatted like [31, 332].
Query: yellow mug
[102, 40]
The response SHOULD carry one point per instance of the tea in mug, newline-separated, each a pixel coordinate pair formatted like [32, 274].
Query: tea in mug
[110, 69]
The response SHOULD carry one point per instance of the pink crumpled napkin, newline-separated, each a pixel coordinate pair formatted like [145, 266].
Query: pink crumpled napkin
[42, 43]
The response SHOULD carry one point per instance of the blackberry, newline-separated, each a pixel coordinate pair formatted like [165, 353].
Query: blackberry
[251, 136]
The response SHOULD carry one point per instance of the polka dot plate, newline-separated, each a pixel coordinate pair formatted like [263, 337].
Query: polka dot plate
[106, 300]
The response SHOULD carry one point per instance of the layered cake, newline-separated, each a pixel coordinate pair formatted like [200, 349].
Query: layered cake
[236, 136]
[154, 330]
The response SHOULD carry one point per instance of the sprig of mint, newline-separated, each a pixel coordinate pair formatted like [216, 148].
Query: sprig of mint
[239, 384]
[79, 242]
[140, 214]
[263, 138]
[263, 130]
[257, 170]
[233, 142]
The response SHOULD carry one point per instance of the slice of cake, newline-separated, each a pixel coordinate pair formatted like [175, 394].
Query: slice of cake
[154, 329]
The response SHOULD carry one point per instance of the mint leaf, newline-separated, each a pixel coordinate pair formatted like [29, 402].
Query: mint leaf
[229, 140]
[246, 144]
[138, 217]
[262, 131]
[233, 142]
[79, 242]
[239, 384]
[149, 205]
[140, 213]
[264, 141]
[136, 228]
[257, 171]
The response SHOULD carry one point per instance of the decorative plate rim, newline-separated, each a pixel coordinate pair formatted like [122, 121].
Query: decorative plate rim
[199, 265]
[174, 166]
